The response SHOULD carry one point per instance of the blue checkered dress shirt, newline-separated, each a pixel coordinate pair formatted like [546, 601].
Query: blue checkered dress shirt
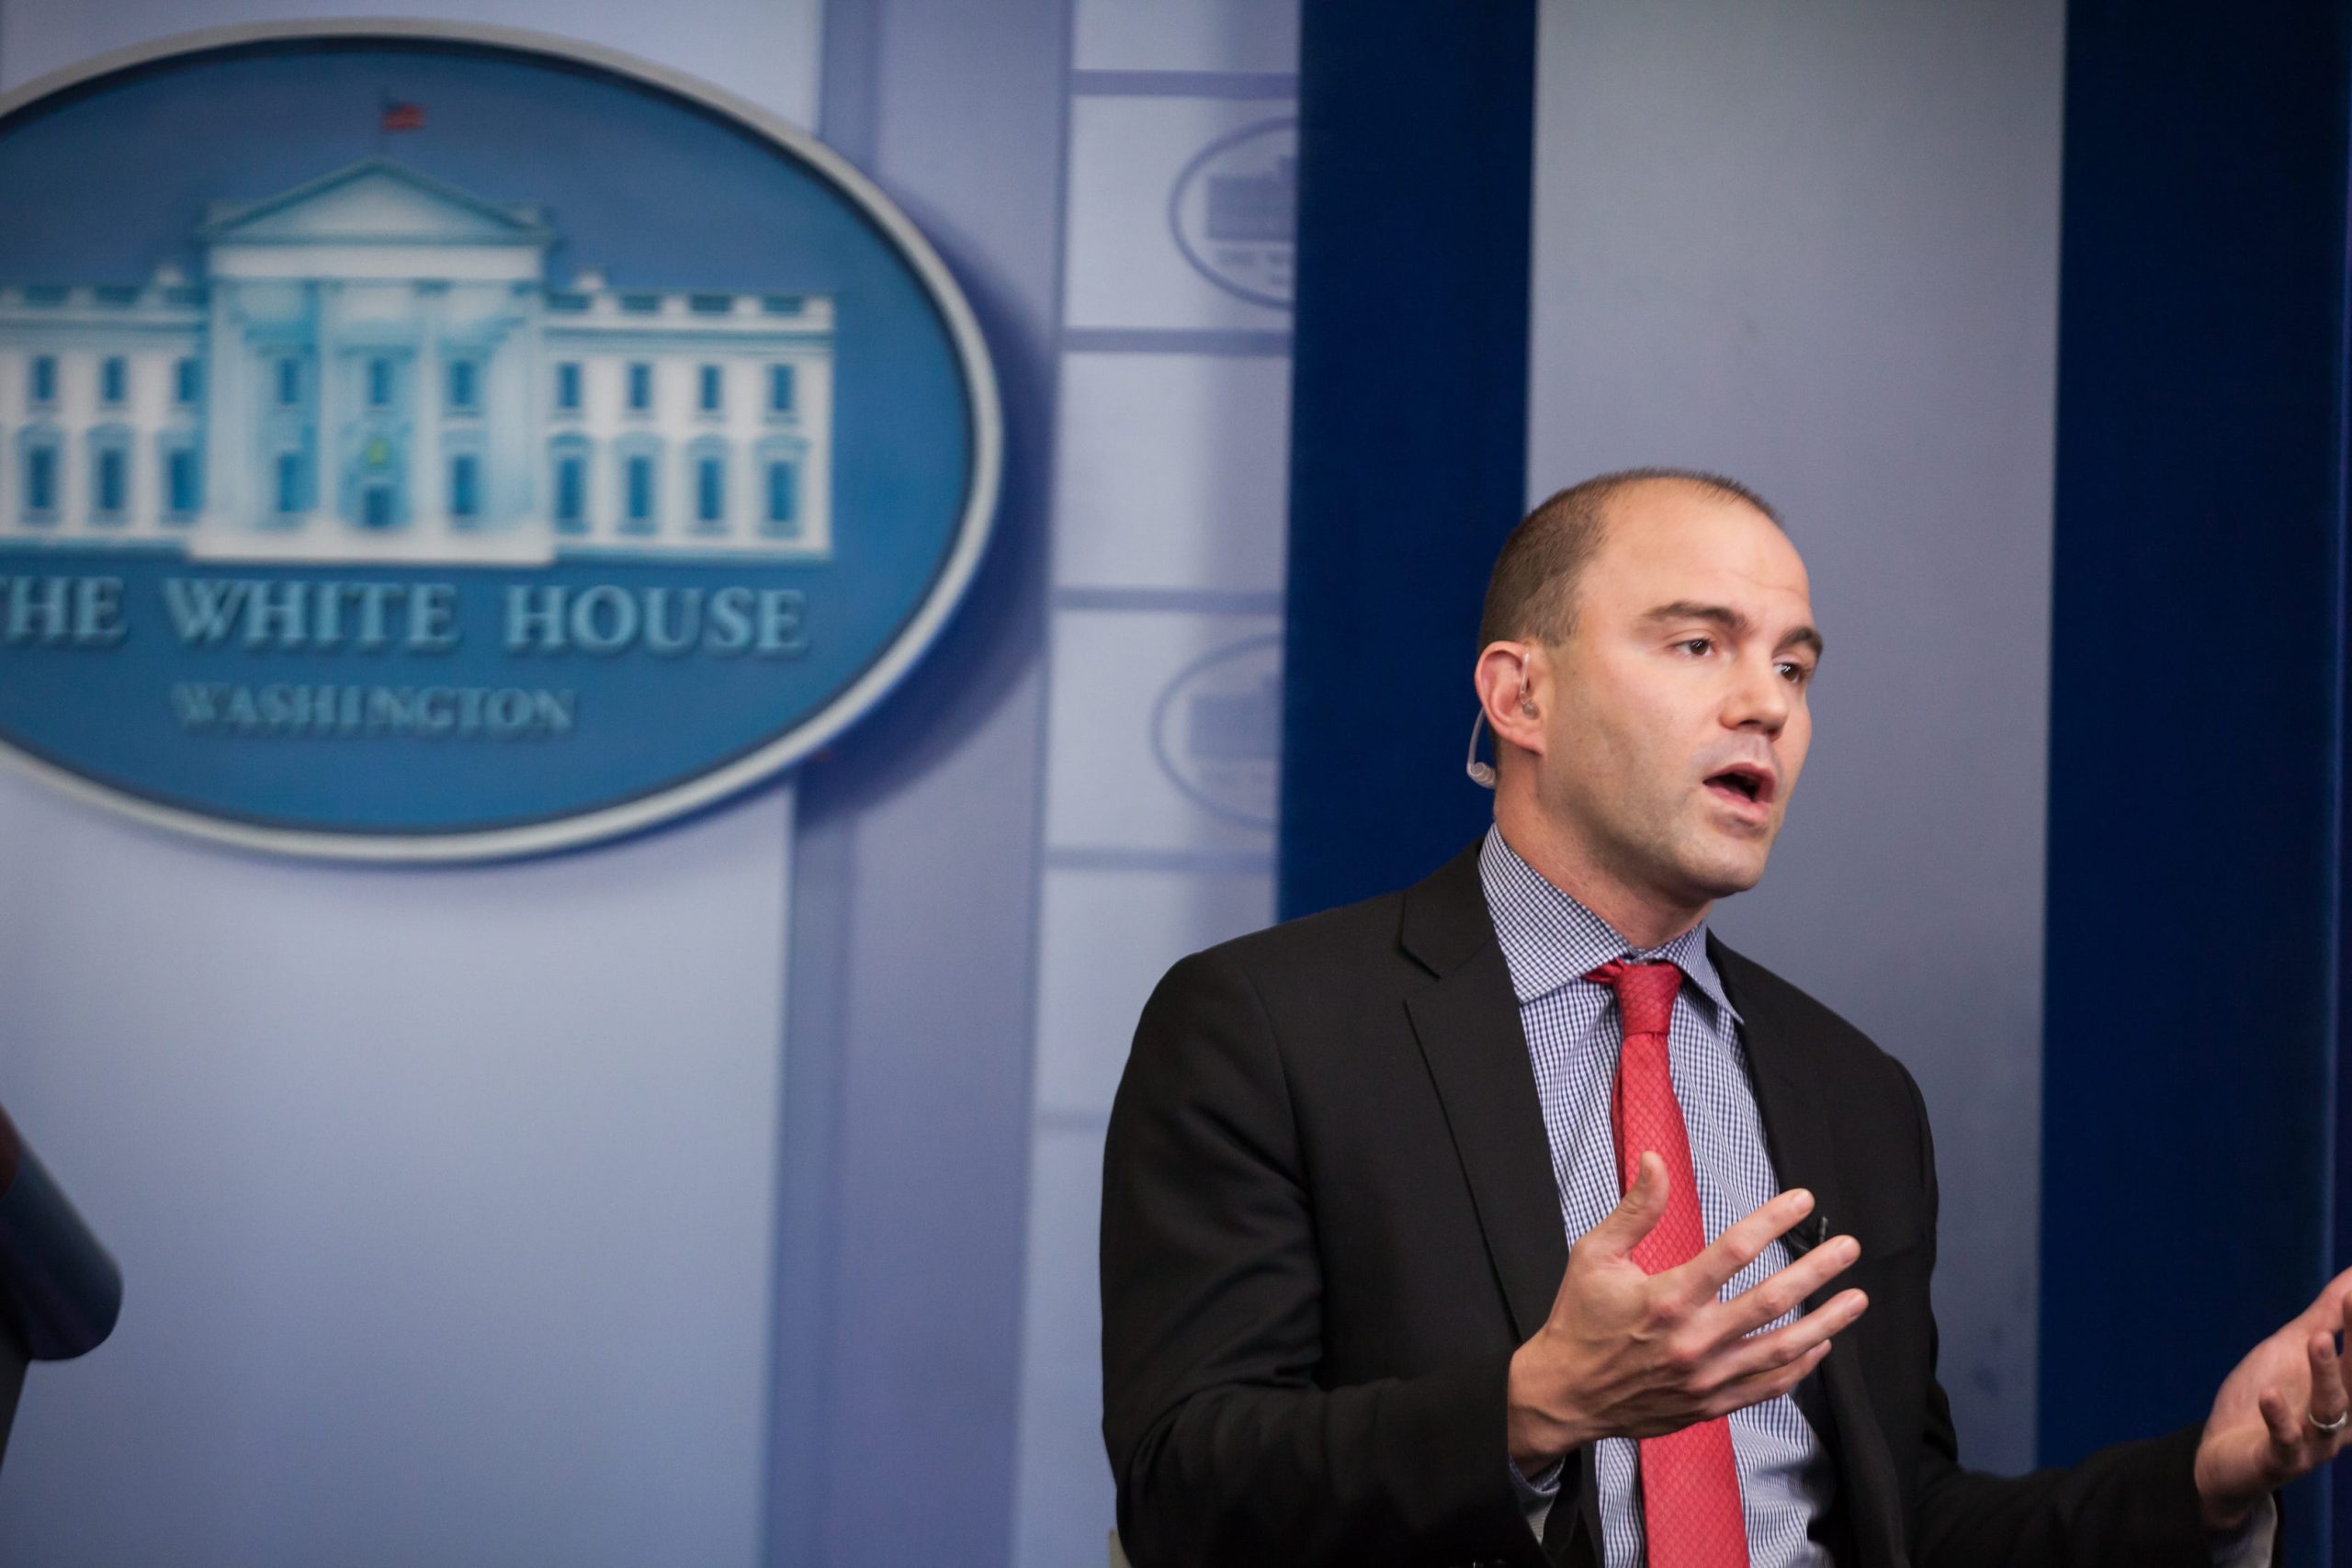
[1550, 941]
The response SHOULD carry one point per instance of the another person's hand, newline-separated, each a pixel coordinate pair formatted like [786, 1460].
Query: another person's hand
[1626, 1354]
[2266, 1425]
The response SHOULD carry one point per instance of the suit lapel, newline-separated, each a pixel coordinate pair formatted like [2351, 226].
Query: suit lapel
[1467, 1024]
[1804, 1155]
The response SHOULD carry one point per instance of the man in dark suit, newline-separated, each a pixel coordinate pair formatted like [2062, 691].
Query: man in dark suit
[1512, 1219]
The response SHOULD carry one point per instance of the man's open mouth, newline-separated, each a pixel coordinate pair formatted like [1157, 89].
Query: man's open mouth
[1751, 784]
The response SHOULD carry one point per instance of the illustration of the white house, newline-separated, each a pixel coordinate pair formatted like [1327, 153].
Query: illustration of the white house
[375, 366]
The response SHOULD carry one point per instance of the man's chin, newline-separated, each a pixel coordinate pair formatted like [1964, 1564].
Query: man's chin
[1722, 876]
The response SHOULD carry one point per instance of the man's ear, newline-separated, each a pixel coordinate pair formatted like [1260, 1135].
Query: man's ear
[1514, 683]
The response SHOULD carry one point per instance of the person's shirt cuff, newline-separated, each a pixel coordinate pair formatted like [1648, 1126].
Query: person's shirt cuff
[1536, 1497]
[2248, 1546]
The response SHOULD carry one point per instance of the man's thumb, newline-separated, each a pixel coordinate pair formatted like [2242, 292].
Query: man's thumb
[1638, 1212]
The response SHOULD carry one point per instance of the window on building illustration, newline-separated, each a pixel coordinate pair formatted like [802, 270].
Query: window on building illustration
[379, 382]
[641, 388]
[114, 379]
[779, 388]
[571, 492]
[710, 490]
[464, 386]
[713, 385]
[44, 378]
[41, 481]
[638, 482]
[567, 387]
[289, 386]
[182, 497]
[783, 515]
[107, 483]
[290, 481]
[188, 382]
[465, 486]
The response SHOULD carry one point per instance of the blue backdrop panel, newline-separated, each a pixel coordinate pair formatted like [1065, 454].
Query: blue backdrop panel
[2195, 782]
[1408, 409]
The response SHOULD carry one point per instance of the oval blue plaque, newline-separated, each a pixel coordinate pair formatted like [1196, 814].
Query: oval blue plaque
[434, 444]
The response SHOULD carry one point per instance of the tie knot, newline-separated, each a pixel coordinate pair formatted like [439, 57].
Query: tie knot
[1645, 993]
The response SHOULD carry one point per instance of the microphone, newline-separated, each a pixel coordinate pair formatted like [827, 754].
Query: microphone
[1803, 1238]
[1481, 774]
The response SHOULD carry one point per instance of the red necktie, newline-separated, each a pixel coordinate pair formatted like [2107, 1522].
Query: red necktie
[1690, 1482]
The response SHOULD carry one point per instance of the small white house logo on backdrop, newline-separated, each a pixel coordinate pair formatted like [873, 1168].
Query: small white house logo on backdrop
[1233, 211]
[1217, 730]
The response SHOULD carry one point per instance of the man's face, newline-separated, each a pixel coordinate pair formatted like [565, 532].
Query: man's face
[1678, 723]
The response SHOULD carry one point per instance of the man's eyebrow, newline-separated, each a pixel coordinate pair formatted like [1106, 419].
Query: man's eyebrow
[1732, 622]
[1723, 616]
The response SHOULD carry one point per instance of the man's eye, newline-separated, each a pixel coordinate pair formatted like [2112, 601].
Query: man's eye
[1696, 644]
[1795, 674]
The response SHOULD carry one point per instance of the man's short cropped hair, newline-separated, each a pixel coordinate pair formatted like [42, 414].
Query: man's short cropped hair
[1531, 595]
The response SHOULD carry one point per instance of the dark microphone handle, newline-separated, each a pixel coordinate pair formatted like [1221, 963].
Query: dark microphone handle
[60, 1292]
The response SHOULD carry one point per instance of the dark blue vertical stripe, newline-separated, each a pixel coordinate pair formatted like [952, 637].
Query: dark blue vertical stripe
[2195, 749]
[1409, 436]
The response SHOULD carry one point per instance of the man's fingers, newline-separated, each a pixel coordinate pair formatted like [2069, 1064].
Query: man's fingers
[2328, 1401]
[1779, 1294]
[1770, 1383]
[2279, 1419]
[1638, 1212]
[1766, 1352]
[1742, 1242]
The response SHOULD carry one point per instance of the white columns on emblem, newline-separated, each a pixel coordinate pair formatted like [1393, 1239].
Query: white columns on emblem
[228, 404]
[428, 513]
[323, 518]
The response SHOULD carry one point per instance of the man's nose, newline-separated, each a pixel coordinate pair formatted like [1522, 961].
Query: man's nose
[1760, 699]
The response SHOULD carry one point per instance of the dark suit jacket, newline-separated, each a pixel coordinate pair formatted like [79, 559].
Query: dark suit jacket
[1328, 1217]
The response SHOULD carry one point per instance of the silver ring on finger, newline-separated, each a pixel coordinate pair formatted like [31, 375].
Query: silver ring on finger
[2329, 1427]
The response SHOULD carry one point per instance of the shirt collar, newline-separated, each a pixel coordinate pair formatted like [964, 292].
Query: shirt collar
[1549, 940]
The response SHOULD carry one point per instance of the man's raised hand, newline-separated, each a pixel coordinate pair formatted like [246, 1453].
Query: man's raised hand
[1626, 1354]
[2265, 1428]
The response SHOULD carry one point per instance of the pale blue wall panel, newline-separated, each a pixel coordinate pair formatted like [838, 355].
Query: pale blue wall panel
[1170, 472]
[1128, 156]
[1103, 945]
[1161, 761]
[442, 1198]
[1186, 35]
[766, 50]
[1164, 726]
[1815, 245]
[902, 1259]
